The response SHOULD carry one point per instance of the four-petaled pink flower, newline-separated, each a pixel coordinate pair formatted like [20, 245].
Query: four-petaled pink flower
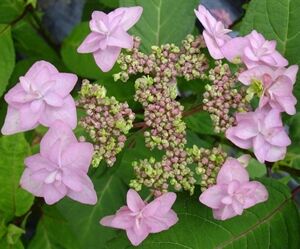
[41, 97]
[263, 131]
[215, 34]
[276, 86]
[60, 168]
[139, 218]
[233, 192]
[262, 52]
[109, 35]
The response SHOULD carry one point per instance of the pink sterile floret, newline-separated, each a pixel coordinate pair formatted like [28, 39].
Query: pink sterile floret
[60, 169]
[139, 219]
[233, 192]
[41, 97]
[109, 35]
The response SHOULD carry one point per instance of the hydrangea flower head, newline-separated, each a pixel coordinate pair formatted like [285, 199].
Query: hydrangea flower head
[139, 219]
[263, 131]
[233, 192]
[60, 169]
[109, 35]
[275, 87]
[41, 97]
[261, 51]
[215, 34]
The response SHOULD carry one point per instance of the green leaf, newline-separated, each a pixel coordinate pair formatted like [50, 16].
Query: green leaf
[14, 201]
[10, 10]
[278, 20]
[256, 169]
[7, 57]
[200, 123]
[273, 224]
[110, 3]
[83, 65]
[84, 219]
[53, 232]
[163, 21]
[29, 42]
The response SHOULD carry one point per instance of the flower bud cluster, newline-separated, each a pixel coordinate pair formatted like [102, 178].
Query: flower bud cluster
[162, 114]
[224, 97]
[208, 163]
[107, 121]
[165, 62]
[192, 62]
[172, 172]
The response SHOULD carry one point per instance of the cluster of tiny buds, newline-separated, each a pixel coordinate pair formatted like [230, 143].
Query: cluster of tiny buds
[107, 122]
[169, 174]
[224, 97]
[165, 62]
[192, 62]
[163, 114]
[208, 163]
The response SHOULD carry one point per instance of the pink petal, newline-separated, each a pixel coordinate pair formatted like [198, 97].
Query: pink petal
[242, 143]
[246, 130]
[287, 104]
[31, 185]
[232, 170]
[87, 195]
[160, 205]
[106, 59]
[122, 220]
[59, 131]
[224, 213]
[234, 48]
[291, 72]
[275, 153]
[272, 119]
[37, 162]
[135, 238]
[255, 193]
[134, 201]
[91, 43]
[41, 71]
[52, 194]
[78, 156]
[131, 15]
[12, 122]
[260, 148]
[28, 118]
[280, 61]
[237, 207]
[64, 83]
[278, 137]
[257, 73]
[54, 99]
[213, 195]
[120, 38]
[212, 46]
[158, 224]
[66, 113]
[72, 179]
[206, 19]
[16, 96]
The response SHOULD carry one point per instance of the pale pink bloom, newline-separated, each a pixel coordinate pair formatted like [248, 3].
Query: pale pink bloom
[277, 86]
[215, 34]
[222, 16]
[109, 35]
[41, 97]
[233, 192]
[139, 219]
[261, 51]
[263, 131]
[253, 50]
[60, 169]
